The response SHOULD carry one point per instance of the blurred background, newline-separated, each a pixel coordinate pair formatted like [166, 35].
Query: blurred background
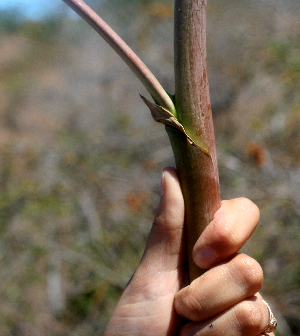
[81, 157]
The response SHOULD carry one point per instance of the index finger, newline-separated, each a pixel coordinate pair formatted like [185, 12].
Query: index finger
[231, 227]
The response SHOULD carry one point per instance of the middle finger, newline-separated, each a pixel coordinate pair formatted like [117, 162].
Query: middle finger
[219, 288]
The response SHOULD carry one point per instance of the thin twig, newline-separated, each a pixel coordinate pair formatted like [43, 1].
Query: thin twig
[125, 52]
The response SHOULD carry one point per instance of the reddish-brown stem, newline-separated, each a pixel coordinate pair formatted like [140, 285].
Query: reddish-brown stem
[197, 165]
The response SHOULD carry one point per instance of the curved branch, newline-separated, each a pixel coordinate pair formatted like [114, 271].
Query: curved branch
[152, 85]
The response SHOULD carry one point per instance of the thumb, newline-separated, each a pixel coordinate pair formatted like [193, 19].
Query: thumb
[164, 247]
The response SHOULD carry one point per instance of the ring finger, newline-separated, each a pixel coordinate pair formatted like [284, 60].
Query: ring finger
[248, 318]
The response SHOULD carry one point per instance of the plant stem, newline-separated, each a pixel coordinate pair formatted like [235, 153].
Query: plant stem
[197, 165]
[192, 135]
[152, 85]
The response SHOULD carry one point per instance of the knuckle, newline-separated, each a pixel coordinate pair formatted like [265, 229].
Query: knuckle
[248, 272]
[188, 305]
[249, 316]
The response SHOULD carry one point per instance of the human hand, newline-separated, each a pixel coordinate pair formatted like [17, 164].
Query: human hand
[223, 301]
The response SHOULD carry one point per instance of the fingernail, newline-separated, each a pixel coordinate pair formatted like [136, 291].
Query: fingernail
[205, 257]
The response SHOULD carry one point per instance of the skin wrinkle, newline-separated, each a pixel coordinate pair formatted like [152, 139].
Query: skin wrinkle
[148, 291]
[136, 309]
[195, 305]
[140, 321]
[131, 306]
[166, 228]
[160, 224]
[239, 321]
[156, 308]
[236, 283]
[150, 294]
[173, 233]
[192, 302]
[175, 239]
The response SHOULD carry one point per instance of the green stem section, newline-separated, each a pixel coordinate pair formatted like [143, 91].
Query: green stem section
[197, 165]
[152, 85]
